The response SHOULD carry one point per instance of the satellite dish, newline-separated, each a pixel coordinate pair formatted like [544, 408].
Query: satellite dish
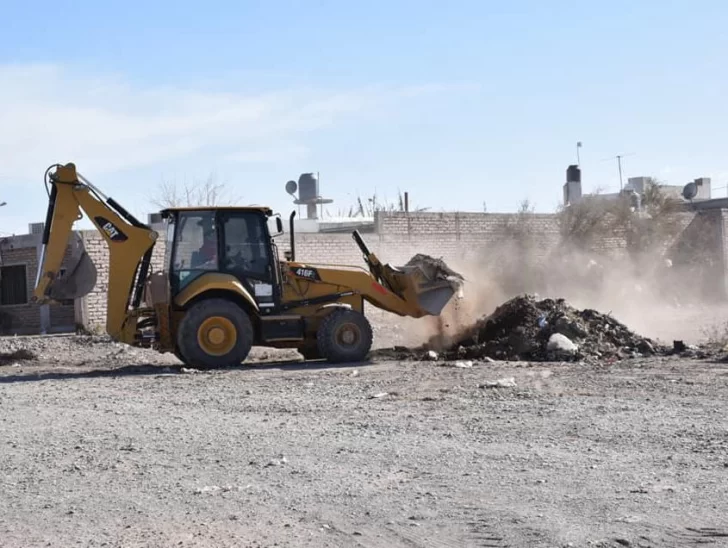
[690, 191]
[291, 187]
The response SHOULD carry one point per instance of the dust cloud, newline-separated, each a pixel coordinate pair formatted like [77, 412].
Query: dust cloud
[646, 291]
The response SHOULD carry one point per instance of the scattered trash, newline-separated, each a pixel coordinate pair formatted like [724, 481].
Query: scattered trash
[463, 364]
[188, 371]
[508, 382]
[431, 355]
[380, 395]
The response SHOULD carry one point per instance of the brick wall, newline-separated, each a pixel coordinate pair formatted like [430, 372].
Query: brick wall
[94, 304]
[26, 318]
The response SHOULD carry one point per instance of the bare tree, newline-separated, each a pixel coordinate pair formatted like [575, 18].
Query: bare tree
[207, 192]
[526, 207]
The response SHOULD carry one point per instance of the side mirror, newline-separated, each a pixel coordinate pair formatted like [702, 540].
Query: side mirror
[277, 228]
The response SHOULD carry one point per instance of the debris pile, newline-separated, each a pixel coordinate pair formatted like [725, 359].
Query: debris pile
[525, 328]
[434, 269]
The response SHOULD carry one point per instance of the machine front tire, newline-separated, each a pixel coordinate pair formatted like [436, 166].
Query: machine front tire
[215, 333]
[344, 336]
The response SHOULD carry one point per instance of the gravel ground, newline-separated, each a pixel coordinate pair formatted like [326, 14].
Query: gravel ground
[103, 445]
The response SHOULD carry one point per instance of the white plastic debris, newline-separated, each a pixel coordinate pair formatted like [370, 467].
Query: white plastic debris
[431, 355]
[508, 382]
[463, 364]
[380, 395]
[561, 343]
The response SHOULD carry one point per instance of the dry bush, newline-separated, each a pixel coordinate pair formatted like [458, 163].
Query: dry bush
[207, 192]
[646, 230]
[583, 223]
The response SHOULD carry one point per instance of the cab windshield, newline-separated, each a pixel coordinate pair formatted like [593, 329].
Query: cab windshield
[195, 247]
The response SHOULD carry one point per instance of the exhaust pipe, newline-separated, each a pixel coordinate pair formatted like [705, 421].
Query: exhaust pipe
[293, 239]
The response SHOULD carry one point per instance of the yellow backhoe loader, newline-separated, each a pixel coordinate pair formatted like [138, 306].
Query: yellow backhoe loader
[223, 287]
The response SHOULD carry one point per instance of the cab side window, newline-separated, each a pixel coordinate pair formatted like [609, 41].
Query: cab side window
[247, 253]
[196, 245]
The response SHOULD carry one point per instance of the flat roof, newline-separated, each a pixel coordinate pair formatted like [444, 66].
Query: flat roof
[262, 209]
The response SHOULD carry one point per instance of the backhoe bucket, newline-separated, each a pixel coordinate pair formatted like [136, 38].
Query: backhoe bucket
[78, 280]
[433, 283]
[79, 277]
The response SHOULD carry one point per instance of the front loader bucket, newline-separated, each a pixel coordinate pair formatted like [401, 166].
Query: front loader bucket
[78, 280]
[432, 282]
[433, 300]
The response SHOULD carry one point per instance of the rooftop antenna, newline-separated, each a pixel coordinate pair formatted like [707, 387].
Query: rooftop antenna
[578, 160]
[619, 166]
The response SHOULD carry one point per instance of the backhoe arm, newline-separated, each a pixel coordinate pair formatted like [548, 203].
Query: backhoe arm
[130, 245]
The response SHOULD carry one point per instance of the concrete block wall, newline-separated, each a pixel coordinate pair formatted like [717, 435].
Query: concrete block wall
[494, 239]
[452, 236]
[699, 253]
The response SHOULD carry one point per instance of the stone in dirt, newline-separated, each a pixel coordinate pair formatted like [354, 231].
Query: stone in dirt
[508, 382]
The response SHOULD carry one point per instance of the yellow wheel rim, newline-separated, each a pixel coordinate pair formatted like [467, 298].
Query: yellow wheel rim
[217, 336]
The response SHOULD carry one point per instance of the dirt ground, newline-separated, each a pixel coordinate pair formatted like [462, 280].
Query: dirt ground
[107, 446]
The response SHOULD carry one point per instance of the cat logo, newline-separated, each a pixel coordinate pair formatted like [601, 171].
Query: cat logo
[110, 230]
[308, 273]
[114, 234]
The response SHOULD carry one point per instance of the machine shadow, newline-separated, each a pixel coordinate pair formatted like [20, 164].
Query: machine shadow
[148, 370]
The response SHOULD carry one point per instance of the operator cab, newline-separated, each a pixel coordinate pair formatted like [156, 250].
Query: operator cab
[232, 241]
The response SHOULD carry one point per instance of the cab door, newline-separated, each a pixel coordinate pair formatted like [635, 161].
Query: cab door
[246, 253]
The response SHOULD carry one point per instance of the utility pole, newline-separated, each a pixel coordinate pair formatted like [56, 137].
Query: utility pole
[619, 164]
[619, 167]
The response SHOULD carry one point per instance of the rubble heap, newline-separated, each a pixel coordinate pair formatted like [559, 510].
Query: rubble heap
[525, 328]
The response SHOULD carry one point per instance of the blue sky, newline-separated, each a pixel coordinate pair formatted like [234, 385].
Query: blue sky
[459, 103]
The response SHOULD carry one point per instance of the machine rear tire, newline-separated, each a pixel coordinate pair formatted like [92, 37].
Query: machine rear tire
[215, 333]
[344, 336]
